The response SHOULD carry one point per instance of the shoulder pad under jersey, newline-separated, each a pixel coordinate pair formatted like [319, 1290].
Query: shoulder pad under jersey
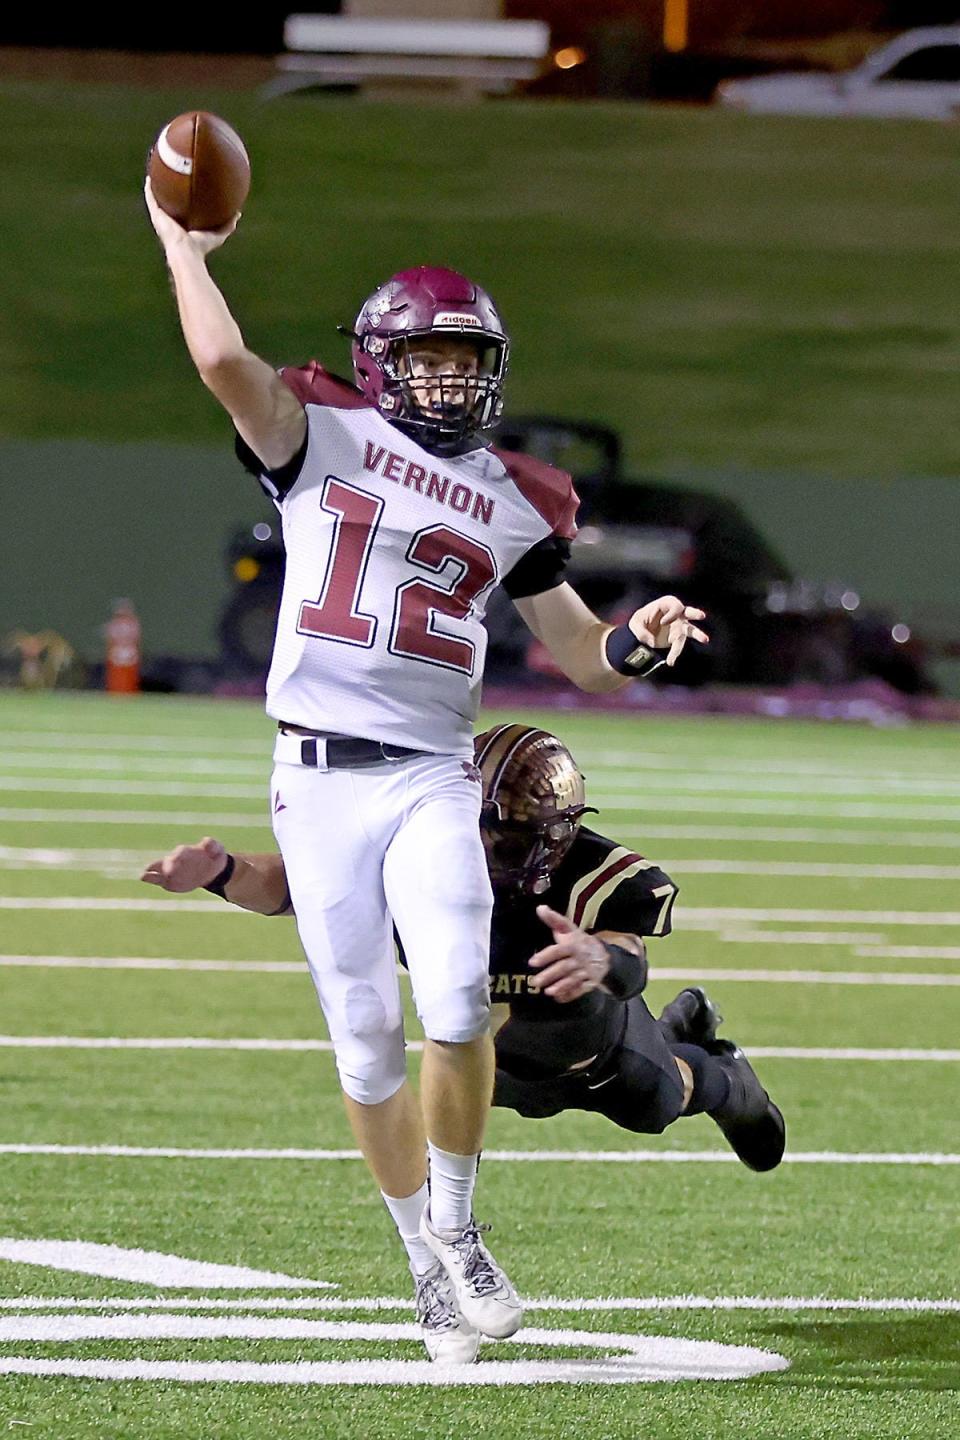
[313, 385]
[549, 490]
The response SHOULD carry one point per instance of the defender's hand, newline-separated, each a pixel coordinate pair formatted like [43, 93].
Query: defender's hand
[668, 622]
[573, 965]
[172, 233]
[189, 867]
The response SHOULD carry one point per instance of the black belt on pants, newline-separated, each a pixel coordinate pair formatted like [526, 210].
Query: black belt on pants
[346, 751]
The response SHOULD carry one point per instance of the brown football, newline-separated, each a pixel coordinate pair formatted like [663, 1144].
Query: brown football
[199, 171]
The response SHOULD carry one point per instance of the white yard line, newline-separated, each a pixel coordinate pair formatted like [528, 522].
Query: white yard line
[825, 834]
[546, 1157]
[794, 835]
[746, 782]
[144, 962]
[146, 1267]
[133, 766]
[30, 785]
[647, 803]
[740, 805]
[87, 902]
[637, 757]
[73, 740]
[700, 917]
[213, 1043]
[690, 917]
[801, 937]
[863, 943]
[661, 972]
[820, 870]
[77, 858]
[731, 762]
[798, 1052]
[910, 952]
[802, 977]
[30, 857]
[848, 780]
[172, 1042]
[548, 1303]
[201, 819]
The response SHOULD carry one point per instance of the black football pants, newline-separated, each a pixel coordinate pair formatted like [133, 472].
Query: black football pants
[634, 1080]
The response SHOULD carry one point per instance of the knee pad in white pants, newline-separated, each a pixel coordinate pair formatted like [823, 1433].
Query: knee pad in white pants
[460, 1014]
[371, 1061]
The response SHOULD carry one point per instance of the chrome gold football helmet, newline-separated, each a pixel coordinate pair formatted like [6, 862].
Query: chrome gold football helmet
[533, 803]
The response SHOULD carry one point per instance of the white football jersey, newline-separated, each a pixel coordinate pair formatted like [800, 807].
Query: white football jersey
[392, 554]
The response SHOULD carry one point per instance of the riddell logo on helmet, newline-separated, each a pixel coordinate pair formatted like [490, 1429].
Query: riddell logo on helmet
[454, 317]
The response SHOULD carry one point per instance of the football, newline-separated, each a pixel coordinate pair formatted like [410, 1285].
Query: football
[199, 171]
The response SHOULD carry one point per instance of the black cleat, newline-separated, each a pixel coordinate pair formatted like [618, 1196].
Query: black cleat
[748, 1117]
[690, 1019]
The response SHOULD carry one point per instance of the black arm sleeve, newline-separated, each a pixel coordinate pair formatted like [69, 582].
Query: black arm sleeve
[277, 483]
[540, 569]
[627, 975]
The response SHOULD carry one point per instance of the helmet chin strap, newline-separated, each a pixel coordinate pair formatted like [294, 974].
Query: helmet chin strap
[429, 434]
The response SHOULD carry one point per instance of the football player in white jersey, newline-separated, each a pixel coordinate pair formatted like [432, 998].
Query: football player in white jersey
[398, 521]
[578, 1034]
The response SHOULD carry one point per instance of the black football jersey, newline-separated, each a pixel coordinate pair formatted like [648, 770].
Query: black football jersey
[599, 885]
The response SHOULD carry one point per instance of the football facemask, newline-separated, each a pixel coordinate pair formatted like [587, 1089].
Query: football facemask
[523, 857]
[443, 408]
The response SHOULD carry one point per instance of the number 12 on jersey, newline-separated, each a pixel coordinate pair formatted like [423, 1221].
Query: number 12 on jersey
[464, 564]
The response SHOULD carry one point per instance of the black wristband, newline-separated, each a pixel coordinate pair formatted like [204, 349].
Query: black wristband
[218, 886]
[627, 975]
[630, 656]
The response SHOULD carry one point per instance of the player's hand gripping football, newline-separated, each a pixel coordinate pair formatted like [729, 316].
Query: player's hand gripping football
[573, 965]
[667, 622]
[189, 867]
[171, 233]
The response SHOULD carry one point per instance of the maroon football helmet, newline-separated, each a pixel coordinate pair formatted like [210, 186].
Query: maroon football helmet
[424, 303]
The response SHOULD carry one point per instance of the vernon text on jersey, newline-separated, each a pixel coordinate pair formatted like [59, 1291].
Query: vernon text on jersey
[430, 483]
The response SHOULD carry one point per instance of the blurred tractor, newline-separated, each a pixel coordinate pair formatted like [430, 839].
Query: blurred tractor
[639, 539]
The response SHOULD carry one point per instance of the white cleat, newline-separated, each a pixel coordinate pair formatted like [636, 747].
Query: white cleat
[484, 1295]
[449, 1338]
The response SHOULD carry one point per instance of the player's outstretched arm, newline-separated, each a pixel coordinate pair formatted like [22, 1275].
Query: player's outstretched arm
[591, 653]
[265, 411]
[252, 882]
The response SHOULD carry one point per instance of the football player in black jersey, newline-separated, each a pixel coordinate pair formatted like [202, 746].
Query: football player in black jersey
[567, 959]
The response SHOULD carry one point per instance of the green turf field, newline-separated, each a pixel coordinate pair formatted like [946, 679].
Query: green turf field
[731, 291]
[818, 870]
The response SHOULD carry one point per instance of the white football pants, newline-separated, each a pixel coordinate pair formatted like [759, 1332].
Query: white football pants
[368, 848]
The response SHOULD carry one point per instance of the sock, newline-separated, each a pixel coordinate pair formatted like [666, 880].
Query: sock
[711, 1083]
[406, 1214]
[452, 1178]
